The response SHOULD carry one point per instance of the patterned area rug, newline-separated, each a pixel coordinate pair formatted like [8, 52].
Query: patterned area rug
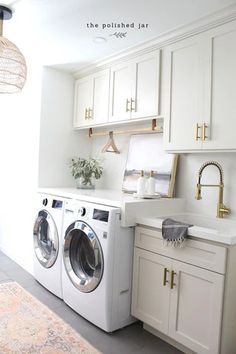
[27, 326]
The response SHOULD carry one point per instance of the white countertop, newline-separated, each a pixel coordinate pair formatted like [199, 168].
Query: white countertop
[131, 207]
[204, 227]
[151, 212]
[108, 197]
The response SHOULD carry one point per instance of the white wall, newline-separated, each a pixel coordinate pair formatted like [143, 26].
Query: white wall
[58, 142]
[189, 165]
[20, 151]
[19, 143]
[19, 136]
[187, 179]
[113, 164]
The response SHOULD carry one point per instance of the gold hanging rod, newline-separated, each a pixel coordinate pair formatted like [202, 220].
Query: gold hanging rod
[153, 129]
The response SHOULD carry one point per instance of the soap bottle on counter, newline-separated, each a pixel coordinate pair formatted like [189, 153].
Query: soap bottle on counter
[151, 184]
[141, 184]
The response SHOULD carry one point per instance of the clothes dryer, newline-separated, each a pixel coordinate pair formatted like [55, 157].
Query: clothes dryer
[97, 271]
[47, 233]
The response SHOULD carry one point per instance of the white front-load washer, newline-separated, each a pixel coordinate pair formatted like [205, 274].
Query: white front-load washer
[97, 271]
[47, 234]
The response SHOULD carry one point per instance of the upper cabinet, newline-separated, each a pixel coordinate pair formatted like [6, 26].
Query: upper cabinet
[122, 81]
[198, 85]
[92, 99]
[135, 88]
[221, 88]
[184, 97]
[129, 90]
[199, 102]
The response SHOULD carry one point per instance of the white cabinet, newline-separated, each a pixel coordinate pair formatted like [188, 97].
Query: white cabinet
[184, 97]
[179, 299]
[199, 97]
[83, 101]
[221, 122]
[92, 99]
[135, 88]
[122, 78]
[150, 301]
[196, 307]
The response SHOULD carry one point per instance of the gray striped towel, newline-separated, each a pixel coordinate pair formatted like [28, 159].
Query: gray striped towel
[174, 232]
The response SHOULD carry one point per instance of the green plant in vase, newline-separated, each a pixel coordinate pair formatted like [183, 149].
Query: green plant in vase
[85, 171]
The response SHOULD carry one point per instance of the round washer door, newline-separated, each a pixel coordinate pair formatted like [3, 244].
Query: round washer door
[46, 241]
[83, 257]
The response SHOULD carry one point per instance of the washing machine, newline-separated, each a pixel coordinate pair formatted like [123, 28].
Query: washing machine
[47, 234]
[97, 270]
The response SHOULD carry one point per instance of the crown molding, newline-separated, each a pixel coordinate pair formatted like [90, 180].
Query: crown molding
[203, 24]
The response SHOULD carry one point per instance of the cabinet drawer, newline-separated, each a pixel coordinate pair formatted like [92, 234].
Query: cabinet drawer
[198, 253]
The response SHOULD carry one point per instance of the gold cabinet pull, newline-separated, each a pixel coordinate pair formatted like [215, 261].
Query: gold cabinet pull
[90, 113]
[172, 280]
[127, 105]
[205, 126]
[133, 105]
[165, 281]
[198, 126]
[86, 113]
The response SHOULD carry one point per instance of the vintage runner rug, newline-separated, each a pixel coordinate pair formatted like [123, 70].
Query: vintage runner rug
[27, 326]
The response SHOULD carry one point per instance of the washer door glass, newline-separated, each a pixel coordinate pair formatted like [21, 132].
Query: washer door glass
[83, 257]
[46, 240]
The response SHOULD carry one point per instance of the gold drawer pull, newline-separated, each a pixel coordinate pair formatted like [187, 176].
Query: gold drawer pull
[198, 126]
[165, 281]
[86, 115]
[90, 113]
[127, 105]
[172, 280]
[133, 105]
[205, 126]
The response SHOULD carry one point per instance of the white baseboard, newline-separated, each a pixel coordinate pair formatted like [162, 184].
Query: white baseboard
[18, 260]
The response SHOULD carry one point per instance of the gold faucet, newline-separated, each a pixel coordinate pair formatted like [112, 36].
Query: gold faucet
[221, 208]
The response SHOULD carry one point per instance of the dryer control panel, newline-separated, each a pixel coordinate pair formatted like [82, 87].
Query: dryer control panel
[96, 214]
[102, 215]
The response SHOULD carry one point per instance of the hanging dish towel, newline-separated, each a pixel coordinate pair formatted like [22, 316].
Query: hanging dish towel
[174, 232]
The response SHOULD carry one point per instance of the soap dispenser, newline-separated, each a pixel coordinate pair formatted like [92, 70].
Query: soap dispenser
[151, 184]
[141, 183]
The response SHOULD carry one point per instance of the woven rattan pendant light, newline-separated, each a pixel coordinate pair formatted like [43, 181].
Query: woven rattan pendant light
[12, 63]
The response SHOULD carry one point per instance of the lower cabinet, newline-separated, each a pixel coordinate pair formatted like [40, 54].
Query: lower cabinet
[180, 300]
[196, 307]
[151, 298]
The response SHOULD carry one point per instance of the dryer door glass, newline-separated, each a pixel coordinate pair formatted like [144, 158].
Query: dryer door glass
[83, 257]
[45, 239]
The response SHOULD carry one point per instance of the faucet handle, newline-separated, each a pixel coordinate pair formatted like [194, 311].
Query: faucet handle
[222, 210]
[198, 193]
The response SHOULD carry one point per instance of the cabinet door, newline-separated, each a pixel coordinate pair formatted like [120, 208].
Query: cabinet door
[83, 101]
[196, 307]
[184, 103]
[100, 97]
[222, 124]
[145, 94]
[122, 80]
[150, 298]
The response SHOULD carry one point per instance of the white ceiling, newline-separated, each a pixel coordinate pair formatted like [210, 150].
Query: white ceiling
[60, 26]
